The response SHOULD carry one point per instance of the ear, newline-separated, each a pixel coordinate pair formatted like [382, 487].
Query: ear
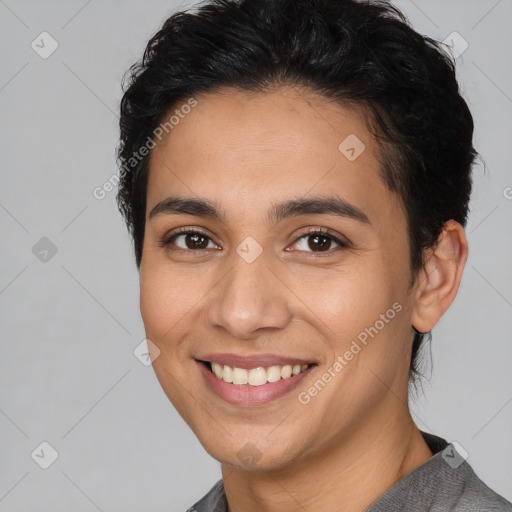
[440, 277]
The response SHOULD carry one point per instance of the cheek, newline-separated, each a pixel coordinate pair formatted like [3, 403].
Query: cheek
[364, 316]
[163, 305]
[170, 299]
[159, 304]
[348, 300]
[154, 302]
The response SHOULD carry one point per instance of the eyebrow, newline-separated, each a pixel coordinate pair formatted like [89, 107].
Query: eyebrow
[332, 205]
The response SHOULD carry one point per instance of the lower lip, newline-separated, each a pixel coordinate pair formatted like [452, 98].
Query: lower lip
[247, 395]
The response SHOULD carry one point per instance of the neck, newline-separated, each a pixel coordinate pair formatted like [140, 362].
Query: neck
[347, 476]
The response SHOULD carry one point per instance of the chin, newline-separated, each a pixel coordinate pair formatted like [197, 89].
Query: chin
[250, 452]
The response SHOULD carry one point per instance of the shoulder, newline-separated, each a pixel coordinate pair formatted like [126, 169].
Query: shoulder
[478, 497]
[446, 482]
[213, 501]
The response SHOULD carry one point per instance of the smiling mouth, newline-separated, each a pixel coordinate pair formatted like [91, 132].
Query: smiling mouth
[255, 376]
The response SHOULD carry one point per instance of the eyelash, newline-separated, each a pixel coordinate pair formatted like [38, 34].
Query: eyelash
[343, 244]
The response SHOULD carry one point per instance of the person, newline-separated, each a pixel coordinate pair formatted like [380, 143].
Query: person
[295, 175]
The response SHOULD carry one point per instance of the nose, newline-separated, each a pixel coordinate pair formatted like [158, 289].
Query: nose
[250, 300]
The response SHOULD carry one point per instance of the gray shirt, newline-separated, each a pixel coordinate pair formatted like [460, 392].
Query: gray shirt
[445, 482]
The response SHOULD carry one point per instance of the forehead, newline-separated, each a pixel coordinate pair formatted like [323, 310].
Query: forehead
[247, 150]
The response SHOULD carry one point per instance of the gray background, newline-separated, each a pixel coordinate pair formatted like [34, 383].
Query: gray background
[70, 324]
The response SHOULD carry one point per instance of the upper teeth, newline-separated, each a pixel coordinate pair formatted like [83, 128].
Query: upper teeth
[256, 376]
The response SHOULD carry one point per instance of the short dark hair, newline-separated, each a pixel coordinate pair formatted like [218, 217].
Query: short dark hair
[363, 54]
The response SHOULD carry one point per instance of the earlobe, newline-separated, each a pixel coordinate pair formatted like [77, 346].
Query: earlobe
[440, 278]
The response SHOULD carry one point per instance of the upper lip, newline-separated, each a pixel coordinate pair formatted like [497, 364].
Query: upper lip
[253, 361]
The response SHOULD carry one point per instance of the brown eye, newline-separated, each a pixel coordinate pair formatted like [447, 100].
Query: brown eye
[190, 240]
[195, 241]
[318, 242]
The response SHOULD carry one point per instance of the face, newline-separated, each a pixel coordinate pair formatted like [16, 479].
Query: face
[293, 253]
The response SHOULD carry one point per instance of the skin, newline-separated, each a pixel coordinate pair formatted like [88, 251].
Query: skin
[356, 437]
